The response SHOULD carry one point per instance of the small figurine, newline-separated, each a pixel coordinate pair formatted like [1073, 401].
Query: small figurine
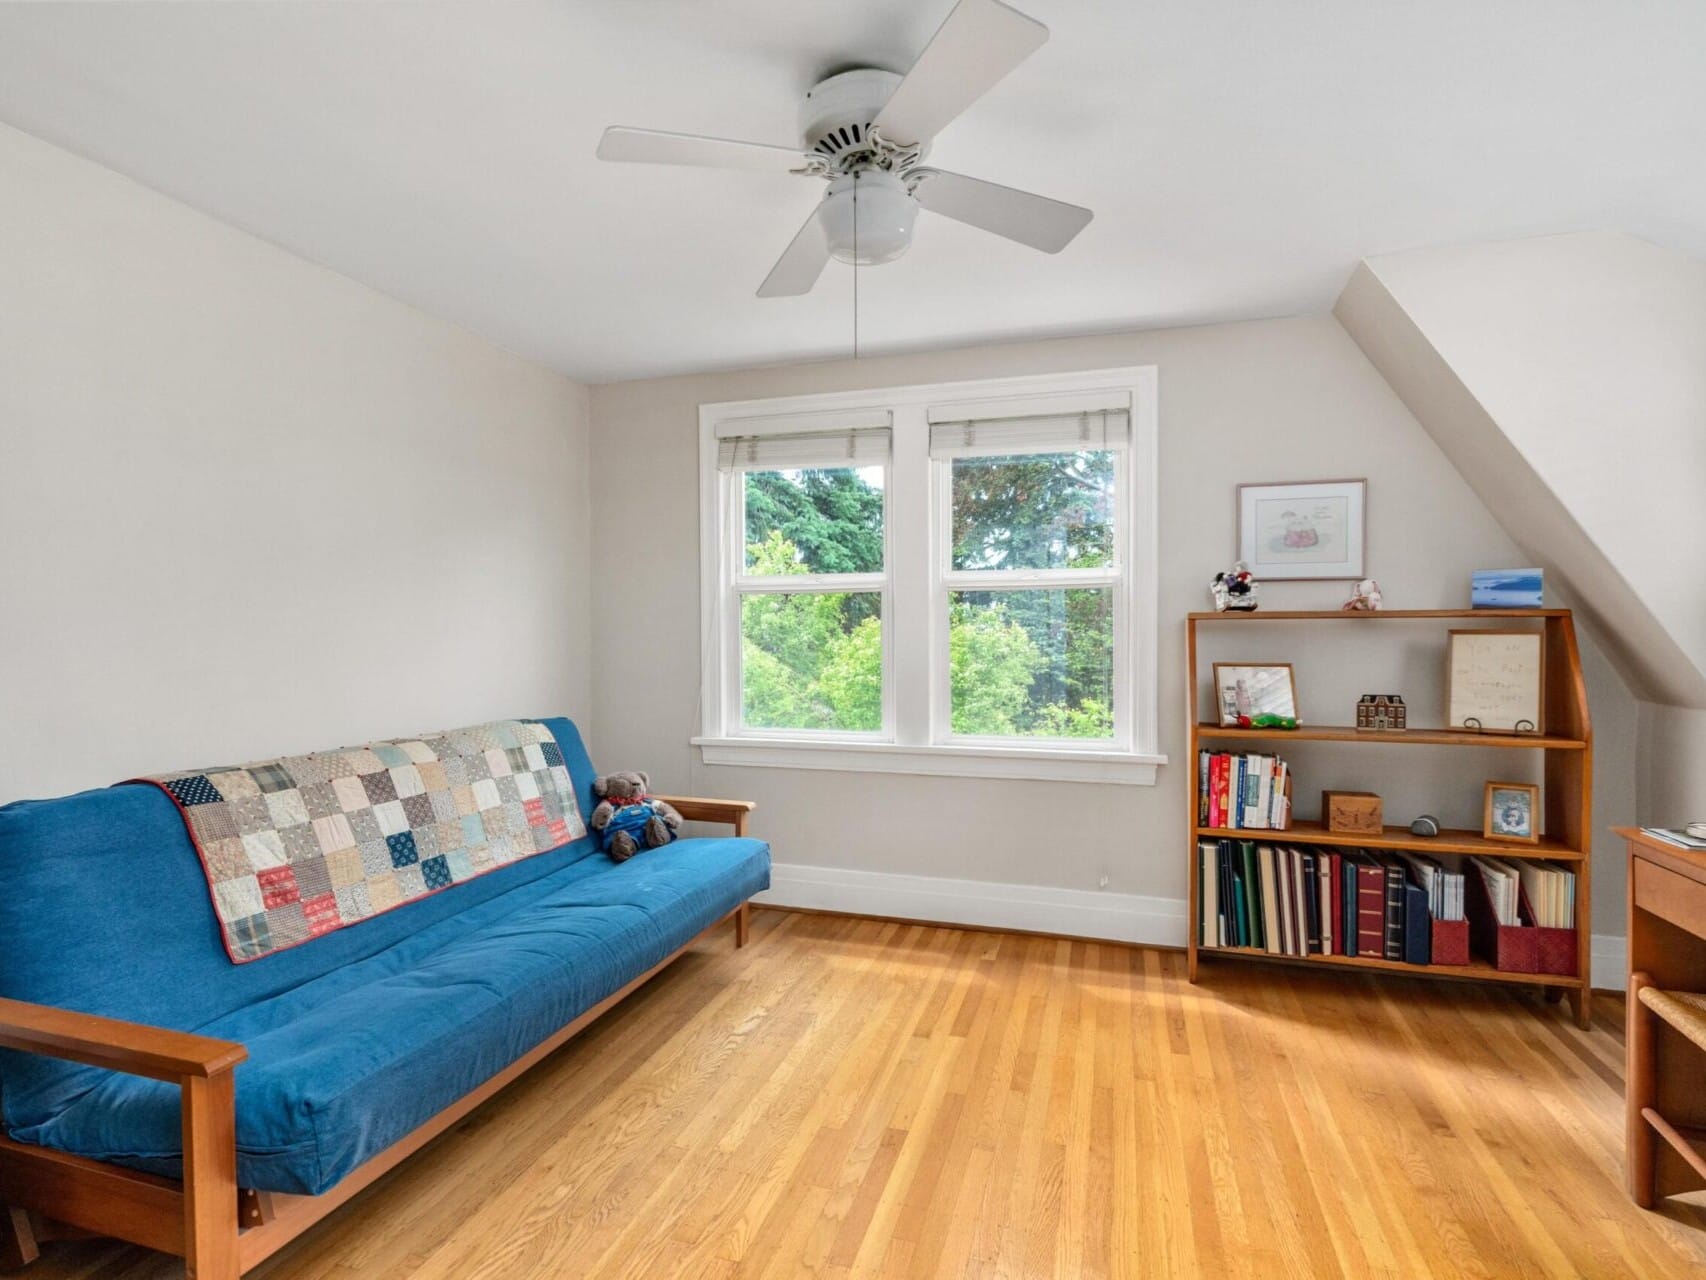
[1365, 598]
[1267, 720]
[1382, 711]
[1234, 590]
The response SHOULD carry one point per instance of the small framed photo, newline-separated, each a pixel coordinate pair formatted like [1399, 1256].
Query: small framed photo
[1245, 690]
[1311, 531]
[1510, 812]
[1507, 589]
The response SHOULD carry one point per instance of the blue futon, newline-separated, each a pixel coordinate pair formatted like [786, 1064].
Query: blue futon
[354, 1039]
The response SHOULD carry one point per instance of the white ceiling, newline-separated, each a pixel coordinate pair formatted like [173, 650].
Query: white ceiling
[1241, 155]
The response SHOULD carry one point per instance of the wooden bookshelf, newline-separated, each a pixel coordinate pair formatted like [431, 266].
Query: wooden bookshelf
[1566, 791]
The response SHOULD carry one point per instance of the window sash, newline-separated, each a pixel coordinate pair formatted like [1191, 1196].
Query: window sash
[948, 580]
[731, 490]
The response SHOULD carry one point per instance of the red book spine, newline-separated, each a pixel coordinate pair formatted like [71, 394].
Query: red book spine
[1214, 816]
[1371, 910]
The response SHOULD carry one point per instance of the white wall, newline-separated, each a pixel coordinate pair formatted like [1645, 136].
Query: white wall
[1274, 400]
[1564, 375]
[248, 506]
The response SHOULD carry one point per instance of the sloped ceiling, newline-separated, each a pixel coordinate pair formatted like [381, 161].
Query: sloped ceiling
[1565, 377]
[1241, 157]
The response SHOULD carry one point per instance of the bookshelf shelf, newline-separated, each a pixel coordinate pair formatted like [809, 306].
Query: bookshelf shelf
[1474, 971]
[1567, 752]
[1398, 737]
[1449, 840]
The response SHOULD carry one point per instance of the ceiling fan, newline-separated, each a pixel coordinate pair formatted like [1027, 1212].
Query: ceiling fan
[866, 131]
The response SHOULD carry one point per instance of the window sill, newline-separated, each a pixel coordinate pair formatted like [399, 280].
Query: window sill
[1041, 764]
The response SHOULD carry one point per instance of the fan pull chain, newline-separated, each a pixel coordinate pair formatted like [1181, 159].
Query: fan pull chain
[855, 264]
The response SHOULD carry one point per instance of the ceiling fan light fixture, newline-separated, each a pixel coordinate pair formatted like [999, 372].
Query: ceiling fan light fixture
[867, 218]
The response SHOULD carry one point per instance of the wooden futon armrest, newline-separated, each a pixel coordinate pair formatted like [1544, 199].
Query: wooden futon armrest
[129, 1047]
[696, 809]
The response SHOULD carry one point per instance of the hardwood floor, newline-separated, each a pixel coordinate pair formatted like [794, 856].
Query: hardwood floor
[859, 1098]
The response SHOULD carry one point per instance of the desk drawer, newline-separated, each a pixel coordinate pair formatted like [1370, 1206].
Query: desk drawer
[1671, 897]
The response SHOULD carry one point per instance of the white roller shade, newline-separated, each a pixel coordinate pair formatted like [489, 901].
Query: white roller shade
[859, 447]
[1043, 433]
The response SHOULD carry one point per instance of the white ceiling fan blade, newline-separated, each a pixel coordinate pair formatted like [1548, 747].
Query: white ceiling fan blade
[653, 146]
[801, 263]
[1042, 223]
[981, 41]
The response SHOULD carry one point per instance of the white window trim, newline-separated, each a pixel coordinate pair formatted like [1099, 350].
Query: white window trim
[915, 684]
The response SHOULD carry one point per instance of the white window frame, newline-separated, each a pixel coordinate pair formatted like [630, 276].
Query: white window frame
[916, 582]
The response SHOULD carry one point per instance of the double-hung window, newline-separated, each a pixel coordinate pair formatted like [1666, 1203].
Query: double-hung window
[952, 579]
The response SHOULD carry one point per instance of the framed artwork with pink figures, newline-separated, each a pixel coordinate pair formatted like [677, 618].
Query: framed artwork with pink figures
[1308, 530]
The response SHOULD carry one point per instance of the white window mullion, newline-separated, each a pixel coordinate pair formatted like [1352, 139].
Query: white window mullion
[910, 635]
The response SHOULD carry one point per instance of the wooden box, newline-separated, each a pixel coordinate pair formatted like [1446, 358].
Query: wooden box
[1352, 812]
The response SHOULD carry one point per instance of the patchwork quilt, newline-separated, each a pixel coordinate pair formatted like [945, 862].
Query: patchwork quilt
[299, 846]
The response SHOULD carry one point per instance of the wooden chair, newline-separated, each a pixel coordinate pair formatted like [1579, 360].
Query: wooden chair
[1685, 1013]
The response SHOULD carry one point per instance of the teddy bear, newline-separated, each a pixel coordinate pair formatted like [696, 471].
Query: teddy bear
[627, 819]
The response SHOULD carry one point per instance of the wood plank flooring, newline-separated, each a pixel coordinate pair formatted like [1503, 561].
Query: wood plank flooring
[859, 1098]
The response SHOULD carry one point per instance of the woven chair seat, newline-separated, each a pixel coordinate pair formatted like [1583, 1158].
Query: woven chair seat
[1684, 1010]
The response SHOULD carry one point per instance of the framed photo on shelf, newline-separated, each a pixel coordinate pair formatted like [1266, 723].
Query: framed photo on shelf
[1249, 689]
[1509, 812]
[1493, 681]
[1311, 531]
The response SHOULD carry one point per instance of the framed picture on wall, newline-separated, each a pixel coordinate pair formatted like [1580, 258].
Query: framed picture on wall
[1307, 531]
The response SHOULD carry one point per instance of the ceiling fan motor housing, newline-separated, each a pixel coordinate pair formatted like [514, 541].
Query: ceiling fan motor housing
[835, 118]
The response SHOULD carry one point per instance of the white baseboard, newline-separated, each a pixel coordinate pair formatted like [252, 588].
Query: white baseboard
[1076, 913]
[1609, 967]
[1119, 917]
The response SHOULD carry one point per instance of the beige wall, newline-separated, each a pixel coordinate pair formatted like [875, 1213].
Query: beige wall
[1274, 400]
[249, 506]
[1672, 765]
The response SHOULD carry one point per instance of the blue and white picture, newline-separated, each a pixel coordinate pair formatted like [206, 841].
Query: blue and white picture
[1505, 589]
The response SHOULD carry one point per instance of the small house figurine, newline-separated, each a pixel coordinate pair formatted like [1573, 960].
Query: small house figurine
[1234, 590]
[1382, 711]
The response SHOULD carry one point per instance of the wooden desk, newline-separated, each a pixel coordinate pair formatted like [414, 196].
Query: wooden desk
[1666, 1071]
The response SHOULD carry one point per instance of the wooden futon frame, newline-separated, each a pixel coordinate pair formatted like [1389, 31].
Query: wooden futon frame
[219, 1228]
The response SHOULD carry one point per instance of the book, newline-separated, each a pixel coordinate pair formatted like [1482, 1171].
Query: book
[1208, 893]
[1323, 897]
[1371, 907]
[1392, 871]
[1252, 881]
[1240, 900]
[1673, 835]
[1312, 902]
[1205, 761]
[1270, 899]
[1418, 927]
[1264, 793]
[1348, 902]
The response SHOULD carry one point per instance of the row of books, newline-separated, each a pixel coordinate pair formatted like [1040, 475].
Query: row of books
[1298, 901]
[1549, 892]
[1243, 790]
